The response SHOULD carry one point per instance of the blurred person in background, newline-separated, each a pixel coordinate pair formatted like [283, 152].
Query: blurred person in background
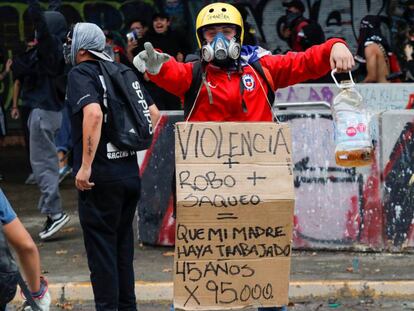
[3, 75]
[300, 33]
[114, 47]
[164, 38]
[137, 30]
[169, 41]
[44, 96]
[373, 50]
[249, 31]
[6, 70]
[295, 21]
[408, 56]
[408, 14]
[63, 142]
[23, 75]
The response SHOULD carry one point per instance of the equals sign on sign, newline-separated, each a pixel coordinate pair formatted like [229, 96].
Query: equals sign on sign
[221, 216]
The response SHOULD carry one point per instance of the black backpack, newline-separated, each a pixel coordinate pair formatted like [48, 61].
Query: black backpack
[8, 272]
[126, 111]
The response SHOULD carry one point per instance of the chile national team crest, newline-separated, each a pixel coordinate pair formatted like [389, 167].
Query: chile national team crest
[248, 82]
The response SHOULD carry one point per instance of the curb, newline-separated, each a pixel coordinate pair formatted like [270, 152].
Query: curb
[163, 291]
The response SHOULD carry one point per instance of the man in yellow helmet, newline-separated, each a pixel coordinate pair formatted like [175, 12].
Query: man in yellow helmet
[233, 82]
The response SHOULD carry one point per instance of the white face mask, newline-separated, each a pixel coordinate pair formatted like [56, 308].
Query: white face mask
[221, 49]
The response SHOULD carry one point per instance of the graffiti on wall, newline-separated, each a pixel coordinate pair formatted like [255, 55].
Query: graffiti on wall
[325, 194]
[377, 97]
[335, 207]
[337, 18]
[397, 174]
[331, 210]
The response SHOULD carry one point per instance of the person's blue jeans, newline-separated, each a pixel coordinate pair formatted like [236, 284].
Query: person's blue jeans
[63, 139]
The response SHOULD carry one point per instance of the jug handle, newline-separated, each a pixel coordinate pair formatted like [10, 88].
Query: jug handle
[333, 72]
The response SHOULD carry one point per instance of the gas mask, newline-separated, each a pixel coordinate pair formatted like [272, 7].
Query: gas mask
[221, 51]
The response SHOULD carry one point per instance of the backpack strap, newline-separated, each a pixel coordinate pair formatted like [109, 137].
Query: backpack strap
[112, 74]
[244, 106]
[196, 82]
[265, 74]
[104, 104]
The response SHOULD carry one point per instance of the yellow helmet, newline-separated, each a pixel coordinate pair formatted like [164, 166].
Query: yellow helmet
[218, 13]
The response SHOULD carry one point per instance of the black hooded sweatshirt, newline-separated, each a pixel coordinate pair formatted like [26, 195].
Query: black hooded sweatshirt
[51, 30]
[370, 31]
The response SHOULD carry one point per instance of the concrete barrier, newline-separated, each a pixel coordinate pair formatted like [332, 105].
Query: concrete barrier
[336, 207]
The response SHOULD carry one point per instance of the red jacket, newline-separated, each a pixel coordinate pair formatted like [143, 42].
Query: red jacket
[285, 70]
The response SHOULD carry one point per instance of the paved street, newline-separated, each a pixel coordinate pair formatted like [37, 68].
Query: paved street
[337, 305]
[64, 259]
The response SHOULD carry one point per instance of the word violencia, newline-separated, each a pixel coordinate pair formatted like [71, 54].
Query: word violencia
[212, 142]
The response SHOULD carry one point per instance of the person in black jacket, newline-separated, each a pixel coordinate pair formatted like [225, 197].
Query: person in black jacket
[408, 14]
[107, 178]
[3, 75]
[41, 94]
[168, 41]
[373, 50]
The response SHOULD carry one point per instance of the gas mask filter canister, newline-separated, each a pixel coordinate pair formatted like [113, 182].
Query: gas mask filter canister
[221, 49]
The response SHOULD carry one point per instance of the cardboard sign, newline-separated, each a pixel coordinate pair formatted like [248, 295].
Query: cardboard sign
[235, 201]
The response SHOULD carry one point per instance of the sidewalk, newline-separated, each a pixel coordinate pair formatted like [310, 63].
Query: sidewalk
[317, 274]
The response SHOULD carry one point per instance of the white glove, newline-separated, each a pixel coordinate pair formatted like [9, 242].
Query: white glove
[150, 60]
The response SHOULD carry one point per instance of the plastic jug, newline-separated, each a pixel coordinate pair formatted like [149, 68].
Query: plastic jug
[351, 121]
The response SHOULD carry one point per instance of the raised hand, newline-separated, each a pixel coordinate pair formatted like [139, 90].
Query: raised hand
[150, 60]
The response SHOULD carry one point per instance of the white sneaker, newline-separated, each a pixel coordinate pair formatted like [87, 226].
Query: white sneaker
[43, 301]
[53, 226]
